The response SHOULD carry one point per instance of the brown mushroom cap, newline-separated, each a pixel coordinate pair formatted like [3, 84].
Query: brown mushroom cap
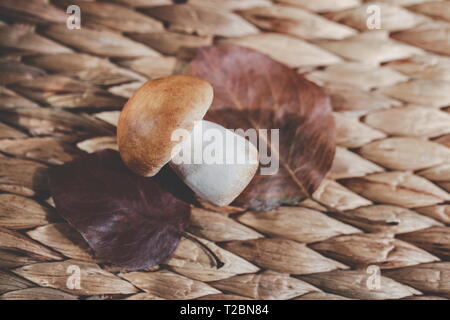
[150, 116]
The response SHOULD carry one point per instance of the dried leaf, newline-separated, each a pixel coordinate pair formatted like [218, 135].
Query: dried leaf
[218, 227]
[47, 150]
[38, 294]
[386, 218]
[257, 92]
[433, 278]
[64, 239]
[410, 121]
[169, 285]
[363, 250]
[191, 260]
[296, 22]
[93, 280]
[132, 221]
[268, 285]
[11, 240]
[286, 49]
[405, 153]
[202, 20]
[282, 255]
[435, 240]
[300, 224]
[18, 212]
[354, 284]
[398, 188]
[23, 177]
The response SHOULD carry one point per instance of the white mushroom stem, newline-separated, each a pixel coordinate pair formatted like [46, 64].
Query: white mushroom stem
[216, 163]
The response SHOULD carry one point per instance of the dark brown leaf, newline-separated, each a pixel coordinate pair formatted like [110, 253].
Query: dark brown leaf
[127, 219]
[253, 91]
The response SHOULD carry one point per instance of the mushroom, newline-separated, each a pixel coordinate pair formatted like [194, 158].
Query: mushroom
[162, 123]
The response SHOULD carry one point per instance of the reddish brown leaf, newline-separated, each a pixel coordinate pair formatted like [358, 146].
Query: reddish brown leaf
[253, 91]
[127, 219]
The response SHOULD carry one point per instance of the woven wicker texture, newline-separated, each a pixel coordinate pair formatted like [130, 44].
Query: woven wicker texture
[61, 90]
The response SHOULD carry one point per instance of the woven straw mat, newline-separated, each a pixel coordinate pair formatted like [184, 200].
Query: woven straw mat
[61, 90]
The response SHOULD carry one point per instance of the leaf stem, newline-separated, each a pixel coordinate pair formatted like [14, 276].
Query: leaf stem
[217, 262]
